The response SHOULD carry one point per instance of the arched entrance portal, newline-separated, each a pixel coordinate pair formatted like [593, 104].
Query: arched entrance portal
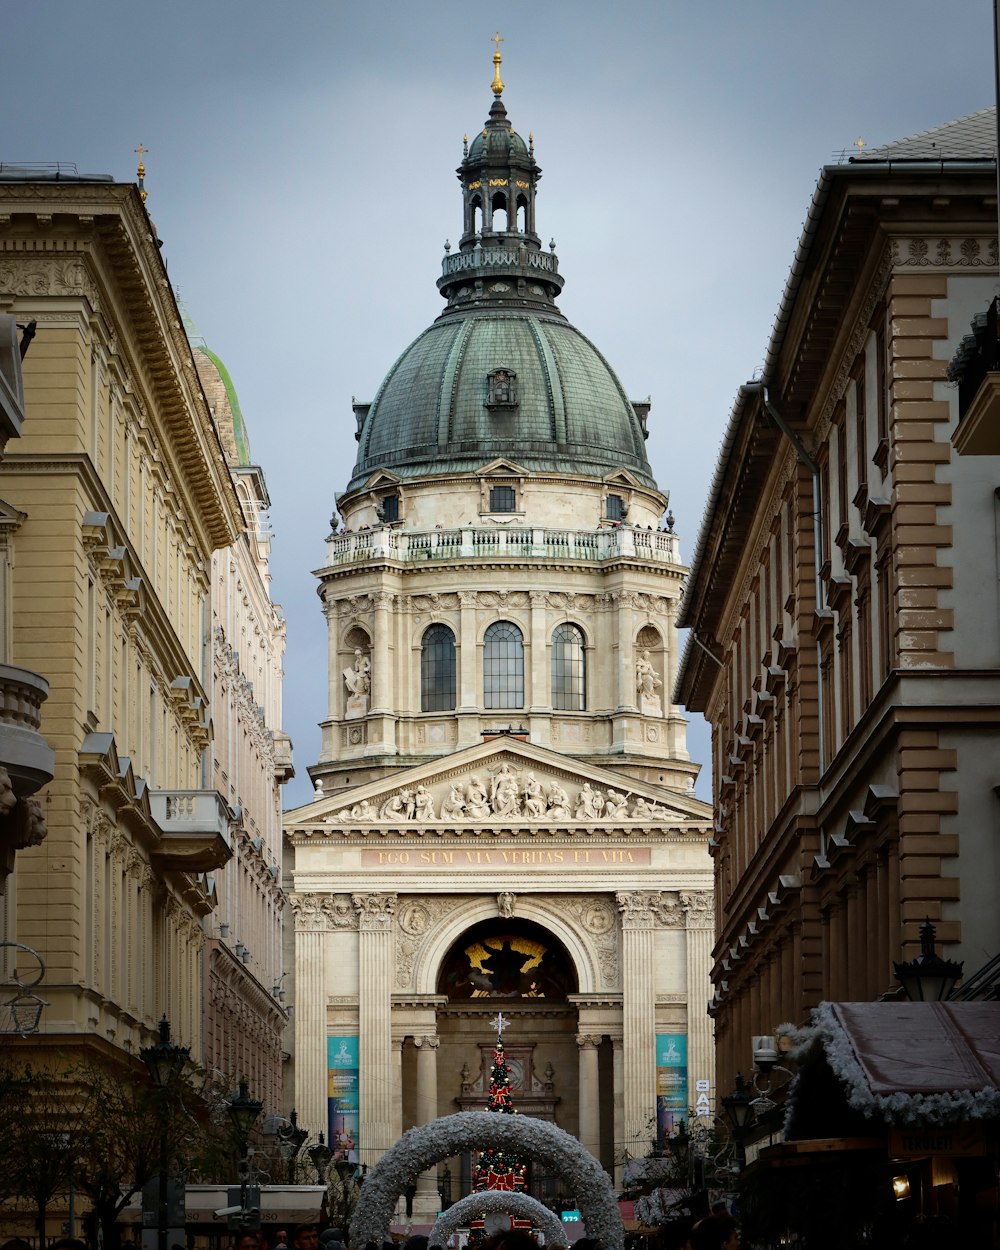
[521, 967]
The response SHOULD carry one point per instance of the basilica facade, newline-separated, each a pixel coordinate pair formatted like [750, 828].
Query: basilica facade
[504, 814]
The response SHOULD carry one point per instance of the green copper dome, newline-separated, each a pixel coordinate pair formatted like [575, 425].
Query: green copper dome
[501, 373]
[569, 413]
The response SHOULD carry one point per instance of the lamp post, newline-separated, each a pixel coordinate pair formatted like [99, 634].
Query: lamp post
[165, 1061]
[928, 978]
[243, 1112]
[739, 1112]
[320, 1154]
[292, 1138]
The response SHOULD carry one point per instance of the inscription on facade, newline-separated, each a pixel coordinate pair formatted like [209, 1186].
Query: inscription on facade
[549, 857]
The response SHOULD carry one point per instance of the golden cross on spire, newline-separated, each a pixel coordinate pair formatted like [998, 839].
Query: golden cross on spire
[497, 83]
[141, 170]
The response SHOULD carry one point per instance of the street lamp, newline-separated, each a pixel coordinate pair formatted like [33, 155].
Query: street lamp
[292, 1138]
[320, 1154]
[165, 1061]
[928, 978]
[21, 1013]
[243, 1112]
[738, 1107]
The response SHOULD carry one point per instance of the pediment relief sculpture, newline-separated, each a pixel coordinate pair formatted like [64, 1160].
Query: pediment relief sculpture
[502, 793]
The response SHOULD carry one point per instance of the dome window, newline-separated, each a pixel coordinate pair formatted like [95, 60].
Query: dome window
[569, 669]
[617, 508]
[503, 666]
[503, 388]
[503, 499]
[387, 509]
[437, 670]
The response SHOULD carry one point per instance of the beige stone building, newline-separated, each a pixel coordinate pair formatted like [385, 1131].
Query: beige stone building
[504, 815]
[245, 1021]
[123, 492]
[843, 605]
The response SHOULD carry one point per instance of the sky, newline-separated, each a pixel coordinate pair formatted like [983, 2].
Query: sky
[301, 173]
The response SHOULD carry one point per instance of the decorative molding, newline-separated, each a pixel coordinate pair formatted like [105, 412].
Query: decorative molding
[375, 911]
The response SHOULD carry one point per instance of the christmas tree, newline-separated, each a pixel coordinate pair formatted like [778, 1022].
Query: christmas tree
[500, 1169]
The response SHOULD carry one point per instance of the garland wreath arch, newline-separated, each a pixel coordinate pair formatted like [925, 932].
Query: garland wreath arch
[422, 1147]
[523, 1206]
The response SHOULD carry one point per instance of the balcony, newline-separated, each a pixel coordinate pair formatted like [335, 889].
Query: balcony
[195, 829]
[517, 543]
[24, 753]
[976, 369]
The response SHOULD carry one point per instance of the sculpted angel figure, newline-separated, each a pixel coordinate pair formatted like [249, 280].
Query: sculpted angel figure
[616, 805]
[424, 801]
[558, 801]
[453, 808]
[358, 678]
[534, 799]
[476, 804]
[589, 804]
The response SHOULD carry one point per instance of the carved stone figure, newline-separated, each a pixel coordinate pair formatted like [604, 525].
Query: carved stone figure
[534, 798]
[453, 808]
[394, 808]
[589, 803]
[647, 683]
[424, 804]
[360, 811]
[558, 802]
[504, 792]
[477, 805]
[616, 805]
[505, 904]
[641, 810]
[358, 681]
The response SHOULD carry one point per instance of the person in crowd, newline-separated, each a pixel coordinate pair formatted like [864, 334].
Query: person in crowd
[248, 1240]
[717, 1231]
[306, 1237]
[281, 1239]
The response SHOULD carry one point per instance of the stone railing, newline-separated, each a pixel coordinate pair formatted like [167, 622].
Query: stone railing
[535, 543]
[505, 257]
[196, 828]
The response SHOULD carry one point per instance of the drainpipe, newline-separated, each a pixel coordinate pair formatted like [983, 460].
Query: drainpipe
[760, 388]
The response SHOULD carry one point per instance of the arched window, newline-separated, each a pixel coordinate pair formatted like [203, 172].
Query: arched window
[437, 670]
[569, 669]
[503, 666]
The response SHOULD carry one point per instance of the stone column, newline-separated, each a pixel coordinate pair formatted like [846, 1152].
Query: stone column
[381, 663]
[468, 700]
[638, 1017]
[397, 1079]
[590, 1093]
[377, 1092]
[426, 1202]
[618, 1074]
[334, 678]
[541, 695]
[699, 916]
[311, 939]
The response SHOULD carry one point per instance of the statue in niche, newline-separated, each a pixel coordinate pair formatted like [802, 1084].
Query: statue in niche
[476, 804]
[358, 681]
[424, 804]
[647, 683]
[453, 808]
[504, 792]
[505, 904]
[534, 799]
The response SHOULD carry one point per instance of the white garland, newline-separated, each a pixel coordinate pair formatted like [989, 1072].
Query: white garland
[521, 1206]
[420, 1148]
[950, 1107]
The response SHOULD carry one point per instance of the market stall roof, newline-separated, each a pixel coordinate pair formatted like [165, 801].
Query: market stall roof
[912, 1063]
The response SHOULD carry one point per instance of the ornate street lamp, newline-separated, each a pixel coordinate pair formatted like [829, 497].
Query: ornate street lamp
[928, 978]
[22, 1013]
[243, 1111]
[291, 1140]
[738, 1107]
[320, 1154]
[165, 1061]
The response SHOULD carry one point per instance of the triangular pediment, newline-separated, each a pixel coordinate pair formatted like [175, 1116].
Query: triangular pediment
[500, 783]
[622, 477]
[501, 466]
[382, 477]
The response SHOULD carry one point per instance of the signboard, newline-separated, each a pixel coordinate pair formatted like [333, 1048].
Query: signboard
[960, 1139]
[671, 1083]
[571, 1217]
[343, 1108]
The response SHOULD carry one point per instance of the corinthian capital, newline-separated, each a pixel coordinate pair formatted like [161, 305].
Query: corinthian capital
[374, 911]
[638, 908]
[699, 907]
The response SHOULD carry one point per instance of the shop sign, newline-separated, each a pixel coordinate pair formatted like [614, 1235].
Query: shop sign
[959, 1139]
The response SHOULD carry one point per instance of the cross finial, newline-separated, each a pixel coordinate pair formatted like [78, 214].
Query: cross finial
[497, 83]
[141, 170]
[499, 1023]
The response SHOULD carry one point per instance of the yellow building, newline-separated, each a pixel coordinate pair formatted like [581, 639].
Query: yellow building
[124, 493]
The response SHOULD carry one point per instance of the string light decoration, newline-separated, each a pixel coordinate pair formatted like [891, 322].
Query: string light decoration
[498, 1168]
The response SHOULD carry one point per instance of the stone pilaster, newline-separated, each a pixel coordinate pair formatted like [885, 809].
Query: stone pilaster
[638, 1016]
[377, 1091]
[699, 914]
[590, 1093]
[310, 1008]
[426, 1202]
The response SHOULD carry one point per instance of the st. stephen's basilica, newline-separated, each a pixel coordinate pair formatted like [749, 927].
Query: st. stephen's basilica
[504, 813]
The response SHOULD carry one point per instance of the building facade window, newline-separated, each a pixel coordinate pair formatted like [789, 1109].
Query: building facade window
[388, 509]
[615, 508]
[437, 670]
[503, 499]
[569, 669]
[503, 666]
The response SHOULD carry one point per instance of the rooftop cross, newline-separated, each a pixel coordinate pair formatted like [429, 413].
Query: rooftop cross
[141, 170]
[497, 83]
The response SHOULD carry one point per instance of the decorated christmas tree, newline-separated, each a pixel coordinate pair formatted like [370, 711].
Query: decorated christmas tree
[500, 1169]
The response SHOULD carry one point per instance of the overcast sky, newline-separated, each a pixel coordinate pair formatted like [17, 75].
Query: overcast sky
[301, 172]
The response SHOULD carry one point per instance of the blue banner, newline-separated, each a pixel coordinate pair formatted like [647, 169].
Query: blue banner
[671, 1083]
[343, 1109]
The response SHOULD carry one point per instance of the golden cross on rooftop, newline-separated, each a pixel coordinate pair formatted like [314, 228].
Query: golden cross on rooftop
[141, 170]
[497, 83]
